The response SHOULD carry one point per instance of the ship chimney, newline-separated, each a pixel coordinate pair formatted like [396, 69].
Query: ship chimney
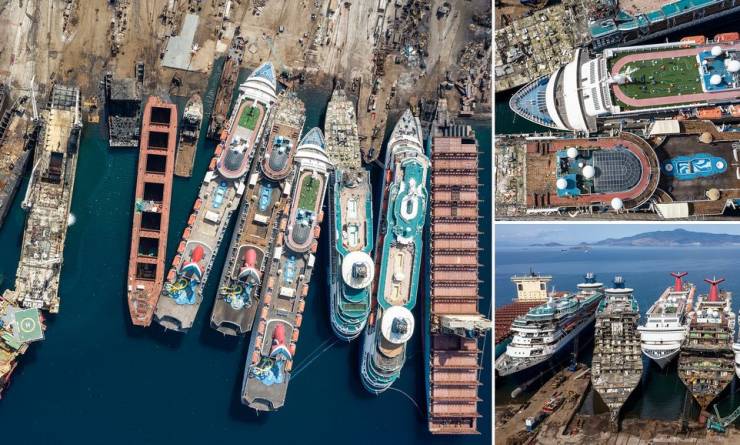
[678, 285]
[590, 277]
[714, 290]
[618, 282]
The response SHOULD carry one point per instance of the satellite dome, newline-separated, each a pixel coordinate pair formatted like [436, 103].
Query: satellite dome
[397, 325]
[561, 183]
[617, 204]
[716, 79]
[716, 50]
[733, 66]
[572, 152]
[588, 172]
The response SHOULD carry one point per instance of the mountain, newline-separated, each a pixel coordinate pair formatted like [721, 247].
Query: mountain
[673, 238]
[550, 244]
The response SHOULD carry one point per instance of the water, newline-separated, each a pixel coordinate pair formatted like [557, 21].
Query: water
[95, 374]
[646, 270]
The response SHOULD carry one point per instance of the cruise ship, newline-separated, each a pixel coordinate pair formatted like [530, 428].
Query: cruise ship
[667, 324]
[706, 363]
[267, 197]
[397, 256]
[351, 269]
[272, 346]
[48, 201]
[548, 328]
[634, 82]
[151, 218]
[736, 350]
[218, 198]
[616, 367]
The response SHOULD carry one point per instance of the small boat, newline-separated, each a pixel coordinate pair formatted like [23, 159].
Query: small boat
[189, 133]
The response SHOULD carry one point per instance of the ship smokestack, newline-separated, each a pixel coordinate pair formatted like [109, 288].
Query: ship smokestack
[590, 277]
[618, 282]
[678, 284]
[714, 289]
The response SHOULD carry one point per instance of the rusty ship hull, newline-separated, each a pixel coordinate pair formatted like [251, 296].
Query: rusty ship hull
[189, 136]
[15, 151]
[226, 85]
[267, 197]
[151, 209]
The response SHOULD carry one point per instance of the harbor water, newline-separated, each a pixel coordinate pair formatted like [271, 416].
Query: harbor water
[98, 379]
[660, 394]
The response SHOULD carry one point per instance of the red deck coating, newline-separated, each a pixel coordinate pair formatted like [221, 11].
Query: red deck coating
[143, 302]
[669, 100]
[604, 143]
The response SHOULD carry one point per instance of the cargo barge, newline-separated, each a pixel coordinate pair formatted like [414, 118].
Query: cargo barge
[272, 345]
[151, 209]
[226, 85]
[218, 198]
[189, 135]
[351, 269]
[397, 256]
[452, 322]
[266, 199]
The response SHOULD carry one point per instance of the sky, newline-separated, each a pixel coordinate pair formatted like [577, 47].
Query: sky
[518, 234]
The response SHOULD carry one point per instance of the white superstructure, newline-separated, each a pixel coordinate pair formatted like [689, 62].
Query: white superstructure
[667, 325]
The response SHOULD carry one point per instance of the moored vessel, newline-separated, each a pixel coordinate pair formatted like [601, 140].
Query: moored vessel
[151, 209]
[547, 329]
[226, 84]
[218, 198]
[272, 345]
[192, 117]
[351, 269]
[397, 256]
[706, 362]
[667, 324]
[267, 197]
[616, 367]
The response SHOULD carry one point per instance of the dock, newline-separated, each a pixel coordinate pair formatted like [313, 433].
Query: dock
[455, 322]
[16, 129]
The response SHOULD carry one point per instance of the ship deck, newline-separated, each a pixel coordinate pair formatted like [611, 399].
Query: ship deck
[453, 263]
[14, 157]
[355, 214]
[152, 209]
[226, 85]
[342, 140]
[189, 136]
[37, 277]
[541, 163]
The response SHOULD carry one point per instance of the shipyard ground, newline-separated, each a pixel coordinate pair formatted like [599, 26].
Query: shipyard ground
[78, 42]
[567, 426]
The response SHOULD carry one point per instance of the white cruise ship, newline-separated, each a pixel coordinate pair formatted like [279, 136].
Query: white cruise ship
[667, 325]
[736, 350]
[548, 328]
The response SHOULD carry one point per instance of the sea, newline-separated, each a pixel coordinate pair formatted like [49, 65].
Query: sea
[660, 394]
[97, 379]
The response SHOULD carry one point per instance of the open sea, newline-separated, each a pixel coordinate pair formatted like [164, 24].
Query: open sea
[97, 379]
[646, 270]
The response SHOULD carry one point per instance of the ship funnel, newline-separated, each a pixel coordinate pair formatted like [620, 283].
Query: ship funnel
[590, 277]
[618, 282]
[678, 284]
[714, 289]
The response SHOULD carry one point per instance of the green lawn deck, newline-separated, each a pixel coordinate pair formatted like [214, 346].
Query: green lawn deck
[248, 118]
[662, 77]
[309, 193]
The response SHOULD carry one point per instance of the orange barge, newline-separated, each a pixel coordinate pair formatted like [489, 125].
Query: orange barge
[453, 323]
[151, 209]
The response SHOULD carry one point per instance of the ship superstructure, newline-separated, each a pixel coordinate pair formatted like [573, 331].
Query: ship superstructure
[266, 199]
[218, 198]
[351, 269]
[192, 117]
[546, 329]
[633, 82]
[151, 209]
[616, 367]
[667, 324]
[48, 200]
[276, 330]
[706, 362]
[397, 255]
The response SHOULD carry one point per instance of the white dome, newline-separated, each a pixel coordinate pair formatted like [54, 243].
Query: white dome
[733, 66]
[572, 152]
[397, 325]
[617, 204]
[358, 262]
[716, 79]
[588, 172]
[716, 50]
[561, 183]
